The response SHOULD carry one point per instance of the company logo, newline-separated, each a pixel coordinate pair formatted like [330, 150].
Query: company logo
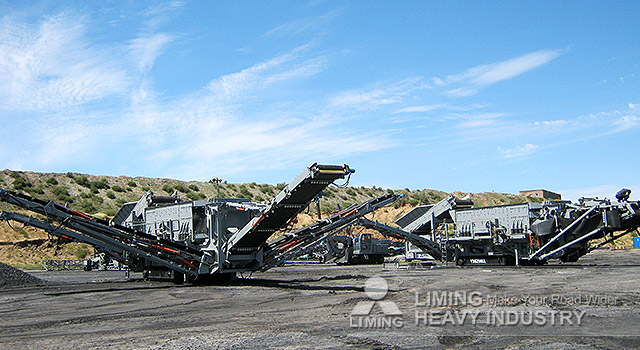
[376, 312]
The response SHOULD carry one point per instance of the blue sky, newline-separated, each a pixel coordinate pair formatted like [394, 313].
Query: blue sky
[456, 96]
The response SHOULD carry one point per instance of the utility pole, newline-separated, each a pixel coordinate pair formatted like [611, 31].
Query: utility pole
[217, 181]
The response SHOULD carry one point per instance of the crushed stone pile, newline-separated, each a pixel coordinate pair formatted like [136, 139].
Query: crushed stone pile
[12, 277]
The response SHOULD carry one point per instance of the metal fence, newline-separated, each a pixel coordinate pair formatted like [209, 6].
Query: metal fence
[76, 264]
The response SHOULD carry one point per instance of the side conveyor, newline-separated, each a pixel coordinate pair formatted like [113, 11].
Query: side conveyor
[421, 242]
[122, 243]
[298, 242]
[424, 223]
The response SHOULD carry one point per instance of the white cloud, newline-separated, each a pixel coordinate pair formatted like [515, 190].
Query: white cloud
[475, 120]
[491, 74]
[219, 128]
[488, 74]
[627, 122]
[444, 106]
[146, 49]
[461, 92]
[158, 14]
[550, 123]
[302, 25]
[519, 151]
[263, 74]
[419, 109]
[375, 97]
[52, 67]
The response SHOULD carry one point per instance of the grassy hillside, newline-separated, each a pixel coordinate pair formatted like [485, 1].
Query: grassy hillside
[104, 195]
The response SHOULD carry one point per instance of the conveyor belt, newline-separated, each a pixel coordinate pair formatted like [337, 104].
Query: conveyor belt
[423, 243]
[296, 243]
[114, 240]
[288, 203]
[419, 221]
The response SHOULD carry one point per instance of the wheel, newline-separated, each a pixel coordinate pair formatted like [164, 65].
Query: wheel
[178, 277]
[87, 265]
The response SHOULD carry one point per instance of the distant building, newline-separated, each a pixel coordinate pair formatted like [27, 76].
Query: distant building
[544, 194]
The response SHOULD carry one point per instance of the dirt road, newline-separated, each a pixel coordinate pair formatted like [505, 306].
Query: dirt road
[592, 304]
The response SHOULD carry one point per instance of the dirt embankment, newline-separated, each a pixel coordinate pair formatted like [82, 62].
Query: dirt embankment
[28, 247]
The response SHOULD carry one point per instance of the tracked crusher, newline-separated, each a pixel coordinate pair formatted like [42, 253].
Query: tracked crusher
[523, 234]
[198, 240]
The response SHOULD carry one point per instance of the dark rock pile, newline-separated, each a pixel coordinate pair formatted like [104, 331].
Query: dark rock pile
[12, 277]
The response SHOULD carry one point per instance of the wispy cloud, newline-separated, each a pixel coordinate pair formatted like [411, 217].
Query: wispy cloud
[216, 129]
[550, 123]
[52, 66]
[627, 122]
[159, 14]
[315, 24]
[146, 49]
[420, 109]
[470, 81]
[528, 137]
[377, 96]
[475, 121]
[519, 151]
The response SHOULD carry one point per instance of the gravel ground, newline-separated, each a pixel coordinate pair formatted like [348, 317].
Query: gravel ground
[314, 307]
[11, 277]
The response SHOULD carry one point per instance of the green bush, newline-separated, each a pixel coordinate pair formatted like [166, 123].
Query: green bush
[117, 188]
[111, 195]
[101, 184]
[181, 188]
[195, 196]
[52, 181]
[92, 197]
[266, 189]
[167, 188]
[24, 233]
[36, 190]
[132, 183]
[88, 206]
[20, 183]
[193, 187]
[61, 194]
[82, 181]
[244, 191]
[96, 199]
[82, 252]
